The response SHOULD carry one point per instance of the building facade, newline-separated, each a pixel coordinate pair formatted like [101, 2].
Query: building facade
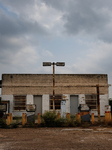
[18, 90]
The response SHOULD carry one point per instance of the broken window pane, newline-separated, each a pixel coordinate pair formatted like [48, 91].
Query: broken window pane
[91, 101]
[19, 102]
[58, 99]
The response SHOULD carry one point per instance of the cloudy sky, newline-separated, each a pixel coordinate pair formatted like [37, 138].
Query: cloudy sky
[78, 32]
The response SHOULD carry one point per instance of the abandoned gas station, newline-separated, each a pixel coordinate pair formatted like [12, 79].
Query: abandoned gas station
[18, 90]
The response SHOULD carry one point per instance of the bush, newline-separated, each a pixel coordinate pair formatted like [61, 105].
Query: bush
[49, 118]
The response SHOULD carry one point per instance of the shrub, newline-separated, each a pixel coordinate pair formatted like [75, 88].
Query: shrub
[49, 118]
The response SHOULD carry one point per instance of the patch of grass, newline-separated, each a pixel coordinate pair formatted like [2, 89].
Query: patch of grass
[17, 118]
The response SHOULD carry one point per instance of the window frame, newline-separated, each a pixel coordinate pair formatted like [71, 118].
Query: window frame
[56, 99]
[94, 99]
[17, 105]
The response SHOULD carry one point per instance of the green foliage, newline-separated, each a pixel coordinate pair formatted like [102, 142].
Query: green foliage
[17, 118]
[14, 125]
[49, 118]
[3, 123]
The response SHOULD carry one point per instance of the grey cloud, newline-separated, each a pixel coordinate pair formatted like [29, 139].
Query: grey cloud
[61, 5]
[90, 22]
[18, 26]
[84, 16]
[18, 4]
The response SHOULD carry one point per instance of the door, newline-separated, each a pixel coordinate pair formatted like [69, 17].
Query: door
[73, 104]
[38, 103]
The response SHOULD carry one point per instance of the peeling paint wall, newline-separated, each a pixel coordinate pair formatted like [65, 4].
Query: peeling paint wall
[95, 112]
[41, 84]
[29, 99]
[45, 103]
[10, 99]
[103, 101]
[81, 99]
[18, 113]
[67, 98]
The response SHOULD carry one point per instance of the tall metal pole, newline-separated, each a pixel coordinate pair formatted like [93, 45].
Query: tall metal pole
[53, 87]
[98, 100]
[57, 64]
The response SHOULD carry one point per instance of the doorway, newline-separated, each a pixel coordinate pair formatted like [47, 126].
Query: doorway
[38, 103]
[73, 104]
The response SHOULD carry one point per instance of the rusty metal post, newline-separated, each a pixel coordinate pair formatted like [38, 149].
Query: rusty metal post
[98, 100]
[79, 118]
[57, 64]
[106, 117]
[8, 119]
[11, 118]
[110, 115]
[92, 118]
[23, 119]
[53, 87]
[38, 118]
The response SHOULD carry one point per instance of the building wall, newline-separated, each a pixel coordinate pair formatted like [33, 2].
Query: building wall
[45, 103]
[41, 84]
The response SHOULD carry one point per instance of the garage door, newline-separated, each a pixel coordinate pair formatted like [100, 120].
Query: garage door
[73, 104]
[38, 103]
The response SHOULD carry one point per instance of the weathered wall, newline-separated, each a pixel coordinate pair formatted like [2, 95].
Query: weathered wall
[67, 98]
[45, 103]
[8, 98]
[29, 99]
[39, 84]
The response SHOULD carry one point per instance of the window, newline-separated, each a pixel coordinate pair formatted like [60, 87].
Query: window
[58, 99]
[19, 102]
[91, 101]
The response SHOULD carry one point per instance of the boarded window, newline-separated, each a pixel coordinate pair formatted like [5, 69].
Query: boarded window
[19, 103]
[91, 100]
[58, 99]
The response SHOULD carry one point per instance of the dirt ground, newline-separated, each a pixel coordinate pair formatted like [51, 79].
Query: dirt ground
[56, 138]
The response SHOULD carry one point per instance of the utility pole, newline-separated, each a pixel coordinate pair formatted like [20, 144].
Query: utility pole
[53, 87]
[98, 100]
[57, 64]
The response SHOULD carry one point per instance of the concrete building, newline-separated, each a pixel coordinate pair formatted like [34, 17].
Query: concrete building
[21, 89]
